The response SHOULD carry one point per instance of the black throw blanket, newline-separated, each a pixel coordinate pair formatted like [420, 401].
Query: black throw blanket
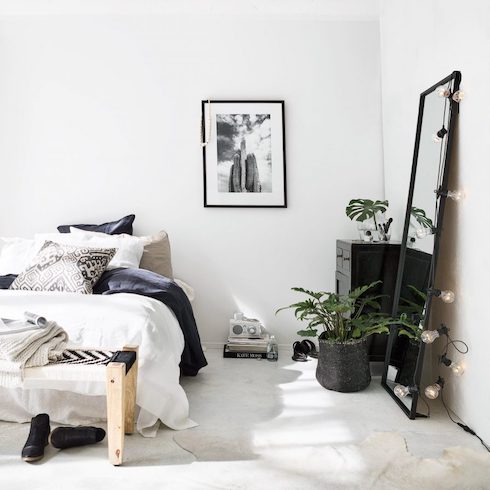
[146, 283]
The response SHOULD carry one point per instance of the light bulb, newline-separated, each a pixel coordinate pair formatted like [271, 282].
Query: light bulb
[401, 391]
[443, 91]
[455, 195]
[423, 232]
[432, 391]
[458, 96]
[457, 368]
[428, 336]
[447, 296]
[437, 137]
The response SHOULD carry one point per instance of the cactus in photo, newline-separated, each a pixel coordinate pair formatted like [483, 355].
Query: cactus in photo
[244, 173]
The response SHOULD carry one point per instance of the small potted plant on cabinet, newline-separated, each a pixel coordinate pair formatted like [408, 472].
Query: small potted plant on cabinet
[343, 325]
[370, 217]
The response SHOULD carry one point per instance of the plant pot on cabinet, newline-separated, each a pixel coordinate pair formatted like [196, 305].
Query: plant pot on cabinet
[343, 366]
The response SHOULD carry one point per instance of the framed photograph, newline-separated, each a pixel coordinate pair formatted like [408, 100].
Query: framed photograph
[244, 153]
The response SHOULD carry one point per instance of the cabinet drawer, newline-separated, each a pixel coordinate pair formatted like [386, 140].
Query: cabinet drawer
[339, 258]
[346, 260]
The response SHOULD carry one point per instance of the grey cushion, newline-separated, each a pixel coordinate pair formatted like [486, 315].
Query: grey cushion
[58, 267]
[156, 255]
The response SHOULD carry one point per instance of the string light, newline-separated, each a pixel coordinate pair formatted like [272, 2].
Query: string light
[447, 296]
[443, 91]
[456, 195]
[428, 336]
[425, 232]
[432, 391]
[402, 391]
[456, 367]
[458, 96]
[438, 137]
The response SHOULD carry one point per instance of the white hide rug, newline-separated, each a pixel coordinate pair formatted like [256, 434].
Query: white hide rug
[382, 461]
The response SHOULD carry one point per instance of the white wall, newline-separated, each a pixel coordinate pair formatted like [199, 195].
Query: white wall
[99, 117]
[423, 41]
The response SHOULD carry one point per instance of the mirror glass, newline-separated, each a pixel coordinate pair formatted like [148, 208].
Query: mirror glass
[419, 245]
[430, 158]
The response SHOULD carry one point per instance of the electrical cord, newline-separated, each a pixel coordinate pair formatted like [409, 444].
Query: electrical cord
[462, 425]
[455, 342]
[440, 171]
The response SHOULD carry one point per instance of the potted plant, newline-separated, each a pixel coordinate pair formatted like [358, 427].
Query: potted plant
[343, 325]
[366, 210]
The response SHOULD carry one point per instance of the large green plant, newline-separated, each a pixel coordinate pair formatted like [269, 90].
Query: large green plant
[364, 209]
[340, 318]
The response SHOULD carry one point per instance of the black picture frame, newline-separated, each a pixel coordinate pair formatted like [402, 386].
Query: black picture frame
[279, 192]
[455, 78]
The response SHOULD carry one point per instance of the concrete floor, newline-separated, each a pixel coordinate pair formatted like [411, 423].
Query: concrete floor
[262, 425]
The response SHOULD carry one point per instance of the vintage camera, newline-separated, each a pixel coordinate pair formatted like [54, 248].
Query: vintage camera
[249, 328]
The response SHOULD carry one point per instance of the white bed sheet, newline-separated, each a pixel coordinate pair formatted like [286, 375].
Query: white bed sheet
[106, 322]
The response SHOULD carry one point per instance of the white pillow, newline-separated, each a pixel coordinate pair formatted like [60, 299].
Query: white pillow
[129, 247]
[128, 253]
[15, 254]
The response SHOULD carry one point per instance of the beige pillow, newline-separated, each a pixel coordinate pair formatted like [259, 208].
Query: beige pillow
[156, 254]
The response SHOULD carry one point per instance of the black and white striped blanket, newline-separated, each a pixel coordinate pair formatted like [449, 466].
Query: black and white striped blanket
[85, 356]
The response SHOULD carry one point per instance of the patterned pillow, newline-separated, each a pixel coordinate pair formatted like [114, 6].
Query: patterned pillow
[67, 268]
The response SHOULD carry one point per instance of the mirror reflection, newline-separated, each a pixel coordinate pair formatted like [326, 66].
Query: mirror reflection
[430, 160]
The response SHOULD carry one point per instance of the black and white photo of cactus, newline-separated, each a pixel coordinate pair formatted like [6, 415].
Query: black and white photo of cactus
[244, 152]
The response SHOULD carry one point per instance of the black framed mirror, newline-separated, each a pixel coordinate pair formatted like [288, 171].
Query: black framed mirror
[415, 288]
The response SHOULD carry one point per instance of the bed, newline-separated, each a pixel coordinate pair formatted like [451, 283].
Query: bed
[129, 306]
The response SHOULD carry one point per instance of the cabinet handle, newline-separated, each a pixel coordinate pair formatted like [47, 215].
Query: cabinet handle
[347, 258]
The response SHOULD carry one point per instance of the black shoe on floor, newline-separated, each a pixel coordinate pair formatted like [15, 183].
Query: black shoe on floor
[310, 348]
[33, 449]
[299, 352]
[65, 437]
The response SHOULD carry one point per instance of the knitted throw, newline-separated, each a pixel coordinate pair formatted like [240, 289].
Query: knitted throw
[32, 348]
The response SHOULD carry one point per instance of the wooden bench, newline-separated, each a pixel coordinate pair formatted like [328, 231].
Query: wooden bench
[120, 377]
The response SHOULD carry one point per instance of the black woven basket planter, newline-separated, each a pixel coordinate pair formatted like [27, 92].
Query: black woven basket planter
[343, 366]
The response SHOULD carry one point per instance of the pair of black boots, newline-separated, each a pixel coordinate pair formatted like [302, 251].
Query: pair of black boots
[40, 436]
[303, 350]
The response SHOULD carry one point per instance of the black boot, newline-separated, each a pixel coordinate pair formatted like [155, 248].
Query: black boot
[65, 437]
[33, 449]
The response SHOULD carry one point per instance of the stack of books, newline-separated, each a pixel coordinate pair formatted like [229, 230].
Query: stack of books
[239, 347]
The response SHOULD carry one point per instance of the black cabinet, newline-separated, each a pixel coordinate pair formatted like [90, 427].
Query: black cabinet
[360, 263]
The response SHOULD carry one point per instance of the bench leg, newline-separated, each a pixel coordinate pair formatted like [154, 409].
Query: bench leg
[115, 411]
[130, 391]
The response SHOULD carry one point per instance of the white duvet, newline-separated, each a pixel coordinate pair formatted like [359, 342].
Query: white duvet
[107, 322]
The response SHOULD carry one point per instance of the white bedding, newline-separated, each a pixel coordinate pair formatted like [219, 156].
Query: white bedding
[109, 322]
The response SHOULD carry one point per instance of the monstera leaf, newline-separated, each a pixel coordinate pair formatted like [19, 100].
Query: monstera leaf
[421, 218]
[363, 209]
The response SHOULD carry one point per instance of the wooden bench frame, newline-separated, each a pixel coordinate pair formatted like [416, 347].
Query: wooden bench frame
[121, 386]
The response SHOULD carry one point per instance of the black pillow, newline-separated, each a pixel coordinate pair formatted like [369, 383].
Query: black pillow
[6, 281]
[124, 225]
